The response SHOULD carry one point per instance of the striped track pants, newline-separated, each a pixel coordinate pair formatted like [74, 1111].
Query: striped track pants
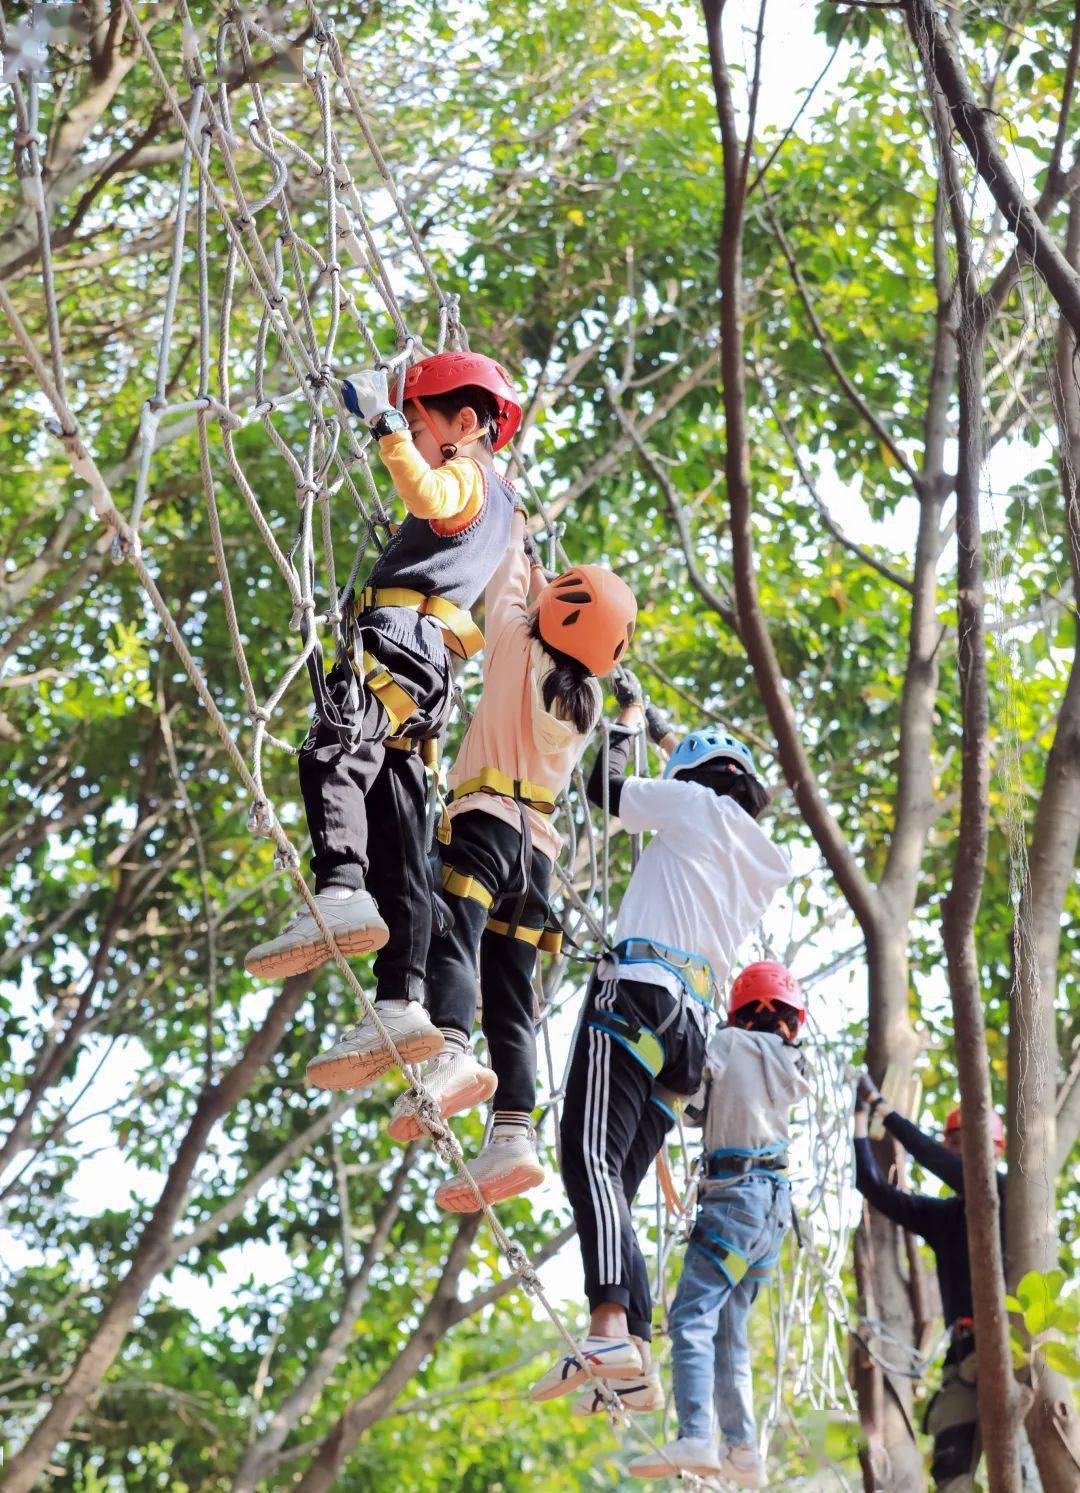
[612, 1128]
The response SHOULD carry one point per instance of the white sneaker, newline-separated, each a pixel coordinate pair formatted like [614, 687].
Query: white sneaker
[359, 1056]
[504, 1169]
[636, 1394]
[354, 922]
[613, 1357]
[682, 1455]
[742, 1466]
[457, 1080]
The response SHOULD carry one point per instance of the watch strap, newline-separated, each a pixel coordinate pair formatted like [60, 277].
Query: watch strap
[390, 422]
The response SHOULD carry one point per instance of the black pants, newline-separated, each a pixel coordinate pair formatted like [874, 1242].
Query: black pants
[367, 808]
[613, 1123]
[488, 849]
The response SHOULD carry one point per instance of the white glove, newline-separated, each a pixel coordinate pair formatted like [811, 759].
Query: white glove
[371, 394]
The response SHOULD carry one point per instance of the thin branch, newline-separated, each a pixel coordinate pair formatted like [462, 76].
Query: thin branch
[722, 605]
[884, 570]
[828, 352]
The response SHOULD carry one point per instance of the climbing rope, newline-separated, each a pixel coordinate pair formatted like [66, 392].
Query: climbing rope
[306, 298]
[293, 364]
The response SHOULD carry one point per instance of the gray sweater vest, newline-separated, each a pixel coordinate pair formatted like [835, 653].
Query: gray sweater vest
[454, 566]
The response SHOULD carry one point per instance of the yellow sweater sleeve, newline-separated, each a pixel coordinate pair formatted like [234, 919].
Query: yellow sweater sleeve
[452, 491]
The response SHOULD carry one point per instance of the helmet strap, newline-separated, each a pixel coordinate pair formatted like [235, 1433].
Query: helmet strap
[449, 449]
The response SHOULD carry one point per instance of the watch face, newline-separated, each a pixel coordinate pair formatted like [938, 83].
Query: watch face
[390, 422]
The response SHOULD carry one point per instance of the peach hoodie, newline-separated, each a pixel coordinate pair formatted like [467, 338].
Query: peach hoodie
[511, 730]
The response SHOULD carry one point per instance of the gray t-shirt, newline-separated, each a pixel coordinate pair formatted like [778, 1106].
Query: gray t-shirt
[752, 1082]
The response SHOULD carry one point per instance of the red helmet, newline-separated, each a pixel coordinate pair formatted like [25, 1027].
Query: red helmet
[954, 1120]
[765, 983]
[588, 613]
[445, 372]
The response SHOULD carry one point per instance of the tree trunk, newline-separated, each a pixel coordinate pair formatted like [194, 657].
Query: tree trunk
[1031, 1212]
[153, 1250]
[891, 1043]
[998, 1394]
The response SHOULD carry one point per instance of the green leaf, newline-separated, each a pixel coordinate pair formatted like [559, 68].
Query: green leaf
[1061, 1358]
[1032, 1289]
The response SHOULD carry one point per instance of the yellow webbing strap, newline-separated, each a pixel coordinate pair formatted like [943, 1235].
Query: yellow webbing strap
[491, 780]
[398, 703]
[547, 940]
[463, 637]
[428, 748]
[459, 885]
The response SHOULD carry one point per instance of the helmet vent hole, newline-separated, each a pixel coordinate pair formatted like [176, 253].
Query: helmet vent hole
[575, 598]
[619, 649]
[572, 618]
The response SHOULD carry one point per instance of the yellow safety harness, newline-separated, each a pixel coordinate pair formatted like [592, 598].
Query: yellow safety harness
[502, 785]
[548, 940]
[460, 632]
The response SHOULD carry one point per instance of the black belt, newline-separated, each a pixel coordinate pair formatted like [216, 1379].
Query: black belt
[725, 1164]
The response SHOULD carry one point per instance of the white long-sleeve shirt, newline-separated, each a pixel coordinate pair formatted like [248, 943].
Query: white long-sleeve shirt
[703, 881]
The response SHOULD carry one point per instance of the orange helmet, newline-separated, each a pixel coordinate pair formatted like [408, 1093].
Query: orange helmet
[764, 983]
[588, 613]
[445, 372]
[954, 1120]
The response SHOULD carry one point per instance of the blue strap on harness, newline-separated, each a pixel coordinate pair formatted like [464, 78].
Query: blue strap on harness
[694, 973]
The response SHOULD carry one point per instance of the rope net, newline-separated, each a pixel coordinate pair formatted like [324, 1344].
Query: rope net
[301, 299]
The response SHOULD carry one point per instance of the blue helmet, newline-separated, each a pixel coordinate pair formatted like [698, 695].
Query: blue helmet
[709, 745]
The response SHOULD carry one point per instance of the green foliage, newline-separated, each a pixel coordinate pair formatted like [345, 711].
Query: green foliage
[1050, 1321]
[565, 168]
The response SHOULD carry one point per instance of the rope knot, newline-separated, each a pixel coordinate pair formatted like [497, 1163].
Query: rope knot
[522, 1268]
[258, 820]
[260, 714]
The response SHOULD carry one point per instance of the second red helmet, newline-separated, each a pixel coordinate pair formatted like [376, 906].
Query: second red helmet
[954, 1120]
[767, 982]
[588, 613]
[445, 372]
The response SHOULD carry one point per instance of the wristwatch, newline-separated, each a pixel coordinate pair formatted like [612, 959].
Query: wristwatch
[388, 423]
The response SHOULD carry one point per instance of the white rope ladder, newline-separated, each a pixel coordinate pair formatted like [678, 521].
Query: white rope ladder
[301, 297]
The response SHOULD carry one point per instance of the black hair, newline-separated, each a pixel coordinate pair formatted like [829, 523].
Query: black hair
[470, 397]
[756, 1017]
[729, 781]
[569, 685]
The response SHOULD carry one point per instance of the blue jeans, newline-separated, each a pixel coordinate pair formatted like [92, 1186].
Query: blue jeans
[734, 1248]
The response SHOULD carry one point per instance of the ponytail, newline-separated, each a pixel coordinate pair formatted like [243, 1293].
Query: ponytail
[568, 689]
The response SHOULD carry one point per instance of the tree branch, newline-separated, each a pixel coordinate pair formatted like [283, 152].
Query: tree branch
[828, 352]
[722, 605]
[972, 123]
[864, 555]
[753, 629]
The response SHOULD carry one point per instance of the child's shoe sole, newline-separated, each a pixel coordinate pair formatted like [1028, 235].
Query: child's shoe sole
[477, 1089]
[641, 1396]
[458, 1197]
[564, 1380]
[299, 960]
[657, 1468]
[356, 1070]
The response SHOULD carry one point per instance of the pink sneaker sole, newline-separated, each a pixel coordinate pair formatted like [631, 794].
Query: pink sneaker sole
[476, 1089]
[310, 955]
[458, 1197]
[355, 1070]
